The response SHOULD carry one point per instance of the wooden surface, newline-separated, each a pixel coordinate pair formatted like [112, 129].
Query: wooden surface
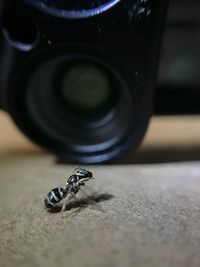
[150, 216]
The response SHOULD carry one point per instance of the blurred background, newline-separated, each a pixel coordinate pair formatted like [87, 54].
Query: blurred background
[178, 86]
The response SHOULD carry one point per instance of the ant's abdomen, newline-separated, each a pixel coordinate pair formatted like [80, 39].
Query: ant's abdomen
[54, 197]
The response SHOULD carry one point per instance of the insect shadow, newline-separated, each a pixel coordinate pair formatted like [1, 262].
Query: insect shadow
[83, 202]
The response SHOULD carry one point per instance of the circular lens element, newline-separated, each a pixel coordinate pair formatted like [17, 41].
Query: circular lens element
[74, 104]
[73, 8]
[85, 87]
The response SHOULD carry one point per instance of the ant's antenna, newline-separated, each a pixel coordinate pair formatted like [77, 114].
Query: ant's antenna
[78, 168]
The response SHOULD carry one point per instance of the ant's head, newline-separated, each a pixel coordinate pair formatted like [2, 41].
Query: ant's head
[83, 175]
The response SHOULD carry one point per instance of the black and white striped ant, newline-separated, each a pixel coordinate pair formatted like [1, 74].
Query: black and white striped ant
[73, 184]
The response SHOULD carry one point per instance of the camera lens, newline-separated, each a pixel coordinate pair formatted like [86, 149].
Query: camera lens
[85, 87]
[73, 8]
[76, 105]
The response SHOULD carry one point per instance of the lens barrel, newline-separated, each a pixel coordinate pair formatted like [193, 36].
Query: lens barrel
[77, 76]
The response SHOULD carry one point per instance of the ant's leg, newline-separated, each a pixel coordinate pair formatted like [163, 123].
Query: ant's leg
[63, 209]
[64, 206]
[69, 197]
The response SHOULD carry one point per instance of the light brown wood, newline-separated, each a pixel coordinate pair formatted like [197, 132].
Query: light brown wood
[151, 216]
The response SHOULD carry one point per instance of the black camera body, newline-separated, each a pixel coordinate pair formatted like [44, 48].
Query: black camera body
[77, 77]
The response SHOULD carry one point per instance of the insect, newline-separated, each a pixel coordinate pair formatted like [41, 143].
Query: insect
[73, 184]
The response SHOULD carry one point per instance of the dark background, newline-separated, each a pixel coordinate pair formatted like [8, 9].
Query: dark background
[178, 86]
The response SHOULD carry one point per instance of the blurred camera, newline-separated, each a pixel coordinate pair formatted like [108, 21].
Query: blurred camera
[77, 77]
